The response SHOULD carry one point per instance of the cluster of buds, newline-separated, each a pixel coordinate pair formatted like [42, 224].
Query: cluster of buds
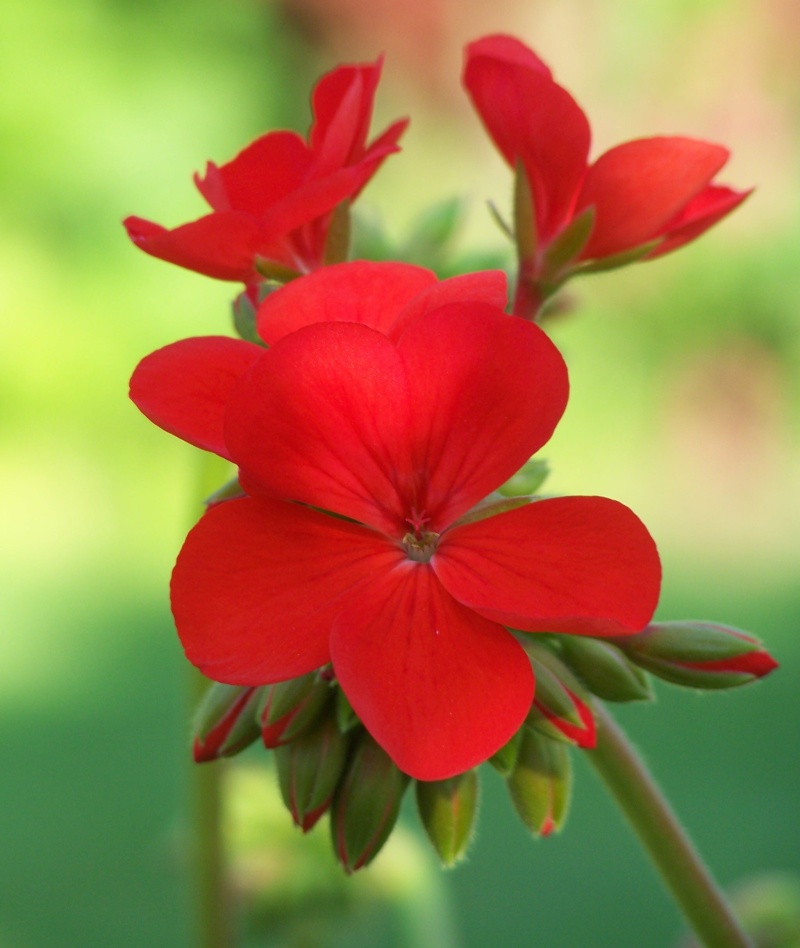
[326, 761]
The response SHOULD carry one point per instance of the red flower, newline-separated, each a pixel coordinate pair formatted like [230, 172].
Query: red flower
[645, 197]
[274, 201]
[399, 435]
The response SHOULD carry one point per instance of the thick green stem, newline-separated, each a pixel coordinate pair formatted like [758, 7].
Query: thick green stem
[663, 837]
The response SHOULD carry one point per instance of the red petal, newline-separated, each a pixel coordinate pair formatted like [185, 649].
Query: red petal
[585, 565]
[219, 245]
[487, 286]
[639, 187]
[260, 175]
[437, 686]
[532, 119]
[357, 292]
[257, 586]
[342, 106]
[488, 390]
[507, 49]
[710, 206]
[323, 418]
[184, 387]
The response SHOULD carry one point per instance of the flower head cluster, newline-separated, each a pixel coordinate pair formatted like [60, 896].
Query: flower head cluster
[365, 448]
[273, 204]
[638, 200]
[363, 596]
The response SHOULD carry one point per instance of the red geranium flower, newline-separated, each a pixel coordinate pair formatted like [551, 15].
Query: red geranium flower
[643, 198]
[407, 589]
[274, 201]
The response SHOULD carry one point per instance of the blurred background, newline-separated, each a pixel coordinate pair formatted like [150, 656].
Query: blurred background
[684, 405]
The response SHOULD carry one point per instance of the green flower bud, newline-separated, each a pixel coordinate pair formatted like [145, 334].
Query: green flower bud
[309, 770]
[225, 722]
[448, 810]
[366, 804]
[541, 782]
[558, 709]
[291, 707]
[604, 669]
[504, 760]
[698, 654]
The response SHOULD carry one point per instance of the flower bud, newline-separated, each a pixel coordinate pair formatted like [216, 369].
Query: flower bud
[346, 717]
[504, 760]
[309, 770]
[448, 809]
[291, 707]
[698, 654]
[541, 782]
[558, 709]
[366, 804]
[604, 670]
[225, 722]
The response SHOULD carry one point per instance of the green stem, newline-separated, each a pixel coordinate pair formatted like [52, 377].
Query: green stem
[681, 868]
[212, 911]
[210, 897]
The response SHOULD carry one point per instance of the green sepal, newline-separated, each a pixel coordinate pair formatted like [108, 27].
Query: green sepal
[564, 248]
[604, 670]
[541, 782]
[366, 804]
[225, 721]
[309, 770]
[553, 678]
[525, 235]
[617, 260]
[244, 319]
[528, 479]
[346, 718]
[301, 699]
[273, 270]
[448, 810]
[229, 491]
[500, 221]
[493, 506]
[337, 241]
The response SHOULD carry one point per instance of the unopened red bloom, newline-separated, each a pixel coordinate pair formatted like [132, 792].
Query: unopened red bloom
[399, 435]
[273, 202]
[651, 195]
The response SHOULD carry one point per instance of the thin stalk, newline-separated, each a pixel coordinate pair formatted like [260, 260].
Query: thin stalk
[211, 907]
[667, 843]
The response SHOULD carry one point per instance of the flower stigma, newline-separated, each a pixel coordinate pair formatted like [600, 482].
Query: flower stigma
[419, 544]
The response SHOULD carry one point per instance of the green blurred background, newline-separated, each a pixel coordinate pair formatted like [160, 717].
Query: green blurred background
[684, 405]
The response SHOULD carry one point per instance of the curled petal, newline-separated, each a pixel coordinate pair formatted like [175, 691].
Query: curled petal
[639, 187]
[438, 687]
[184, 387]
[585, 565]
[257, 586]
[265, 172]
[218, 245]
[531, 119]
[710, 206]
[356, 292]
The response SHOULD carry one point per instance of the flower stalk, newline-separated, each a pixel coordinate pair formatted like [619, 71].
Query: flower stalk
[666, 841]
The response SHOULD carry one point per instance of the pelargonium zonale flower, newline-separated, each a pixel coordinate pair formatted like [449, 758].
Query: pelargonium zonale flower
[638, 200]
[272, 204]
[363, 455]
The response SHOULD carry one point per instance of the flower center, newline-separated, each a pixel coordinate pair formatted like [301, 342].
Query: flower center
[419, 543]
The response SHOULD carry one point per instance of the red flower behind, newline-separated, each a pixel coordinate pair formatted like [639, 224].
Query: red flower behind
[274, 201]
[644, 198]
[399, 434]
